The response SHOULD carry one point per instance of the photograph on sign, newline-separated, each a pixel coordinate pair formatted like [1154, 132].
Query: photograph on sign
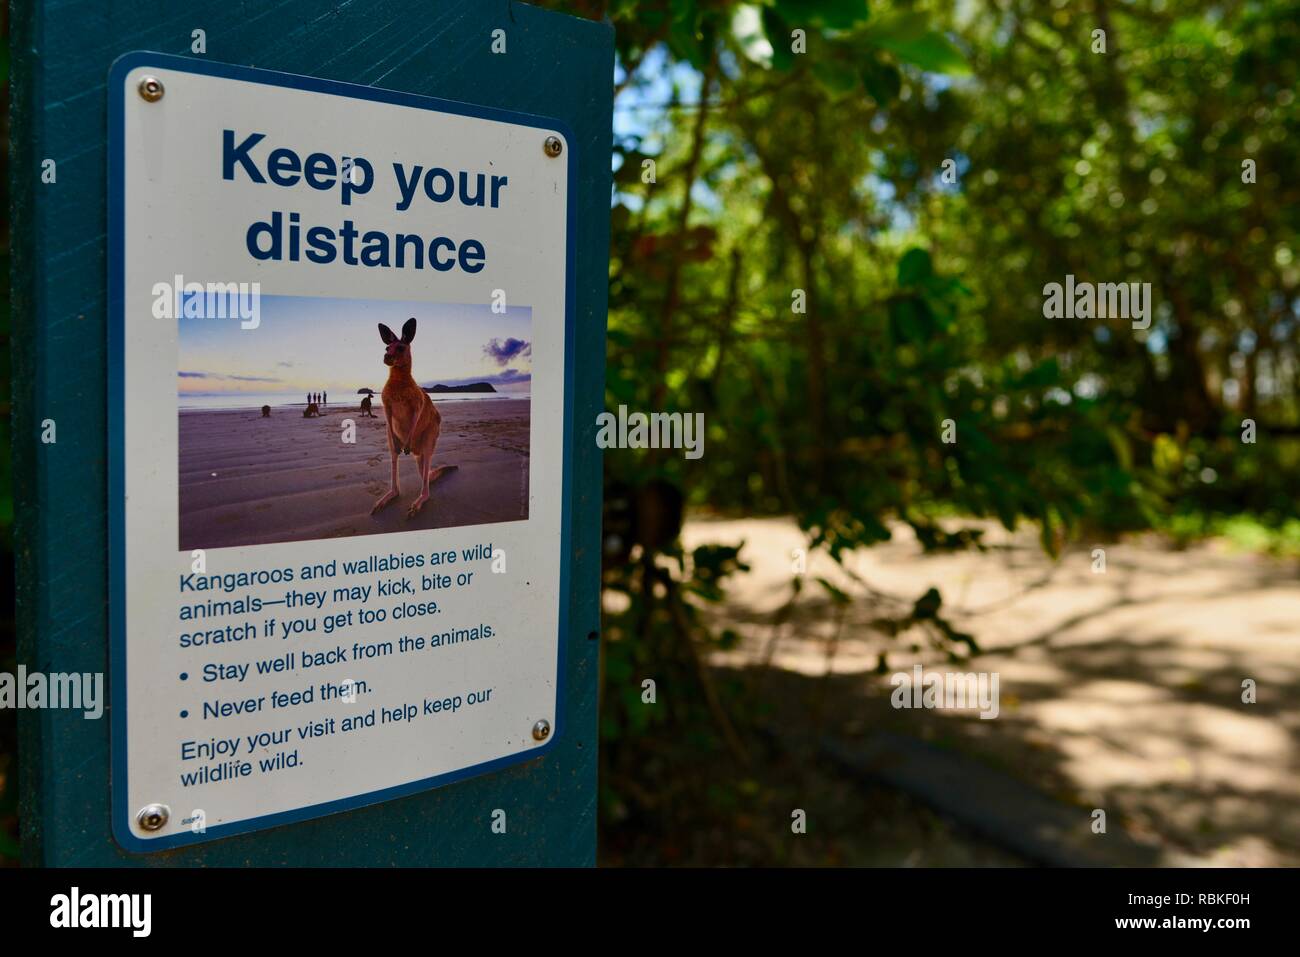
[283, 434]
[339, 445]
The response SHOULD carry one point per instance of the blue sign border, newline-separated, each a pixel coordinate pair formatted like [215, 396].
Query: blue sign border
[122, 813]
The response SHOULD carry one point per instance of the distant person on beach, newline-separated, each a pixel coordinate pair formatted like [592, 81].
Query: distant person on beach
[324, 398]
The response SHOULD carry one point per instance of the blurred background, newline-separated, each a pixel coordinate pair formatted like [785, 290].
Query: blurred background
[832, 226]
[829, 253]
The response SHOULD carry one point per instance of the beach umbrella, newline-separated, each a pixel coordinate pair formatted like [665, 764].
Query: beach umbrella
[366, 391]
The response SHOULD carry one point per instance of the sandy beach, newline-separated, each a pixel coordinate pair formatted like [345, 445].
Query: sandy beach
[246, 480]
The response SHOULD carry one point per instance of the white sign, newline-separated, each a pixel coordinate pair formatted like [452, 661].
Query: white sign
[340, 360]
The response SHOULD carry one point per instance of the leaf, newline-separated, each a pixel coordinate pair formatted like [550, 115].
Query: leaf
[834, 14]
[1051, 524]
[837, 78]
[1119, 443]
[882, 81]
[914, 267]
[778, 34]
[729, 639]
[837, 595]
[932, 52]
[910, 319]
[684, 36]
[927, 606]
[909, 38]
[897, 27]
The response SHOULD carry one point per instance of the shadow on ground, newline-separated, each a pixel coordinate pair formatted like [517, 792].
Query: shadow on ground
[1120, 690]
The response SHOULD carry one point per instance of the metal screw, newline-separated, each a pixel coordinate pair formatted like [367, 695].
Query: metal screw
[152, 817]
[542, 730]
[553, 146]
[151, 89]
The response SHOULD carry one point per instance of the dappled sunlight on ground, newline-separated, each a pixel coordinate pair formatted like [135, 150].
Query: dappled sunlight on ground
[1119, 690]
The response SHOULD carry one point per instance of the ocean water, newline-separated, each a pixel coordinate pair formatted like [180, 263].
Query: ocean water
[255, 400]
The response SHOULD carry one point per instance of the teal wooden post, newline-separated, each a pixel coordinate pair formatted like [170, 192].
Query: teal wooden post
[556, 66]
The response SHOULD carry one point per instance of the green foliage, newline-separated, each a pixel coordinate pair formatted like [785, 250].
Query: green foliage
[833, 14]
[843, 261]
[820, 172]
[1245, 532]
[644, 639]
[909, 37]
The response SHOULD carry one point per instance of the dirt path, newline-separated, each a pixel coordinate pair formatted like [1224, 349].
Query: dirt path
[1119, 690]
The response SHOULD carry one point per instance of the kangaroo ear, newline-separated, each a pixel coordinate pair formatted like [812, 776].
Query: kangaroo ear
[408, 330]
[386, 334]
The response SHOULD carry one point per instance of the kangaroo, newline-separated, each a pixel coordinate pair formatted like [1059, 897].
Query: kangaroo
[413, 421]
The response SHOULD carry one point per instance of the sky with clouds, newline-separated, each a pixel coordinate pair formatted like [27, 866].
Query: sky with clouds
[332, 345]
